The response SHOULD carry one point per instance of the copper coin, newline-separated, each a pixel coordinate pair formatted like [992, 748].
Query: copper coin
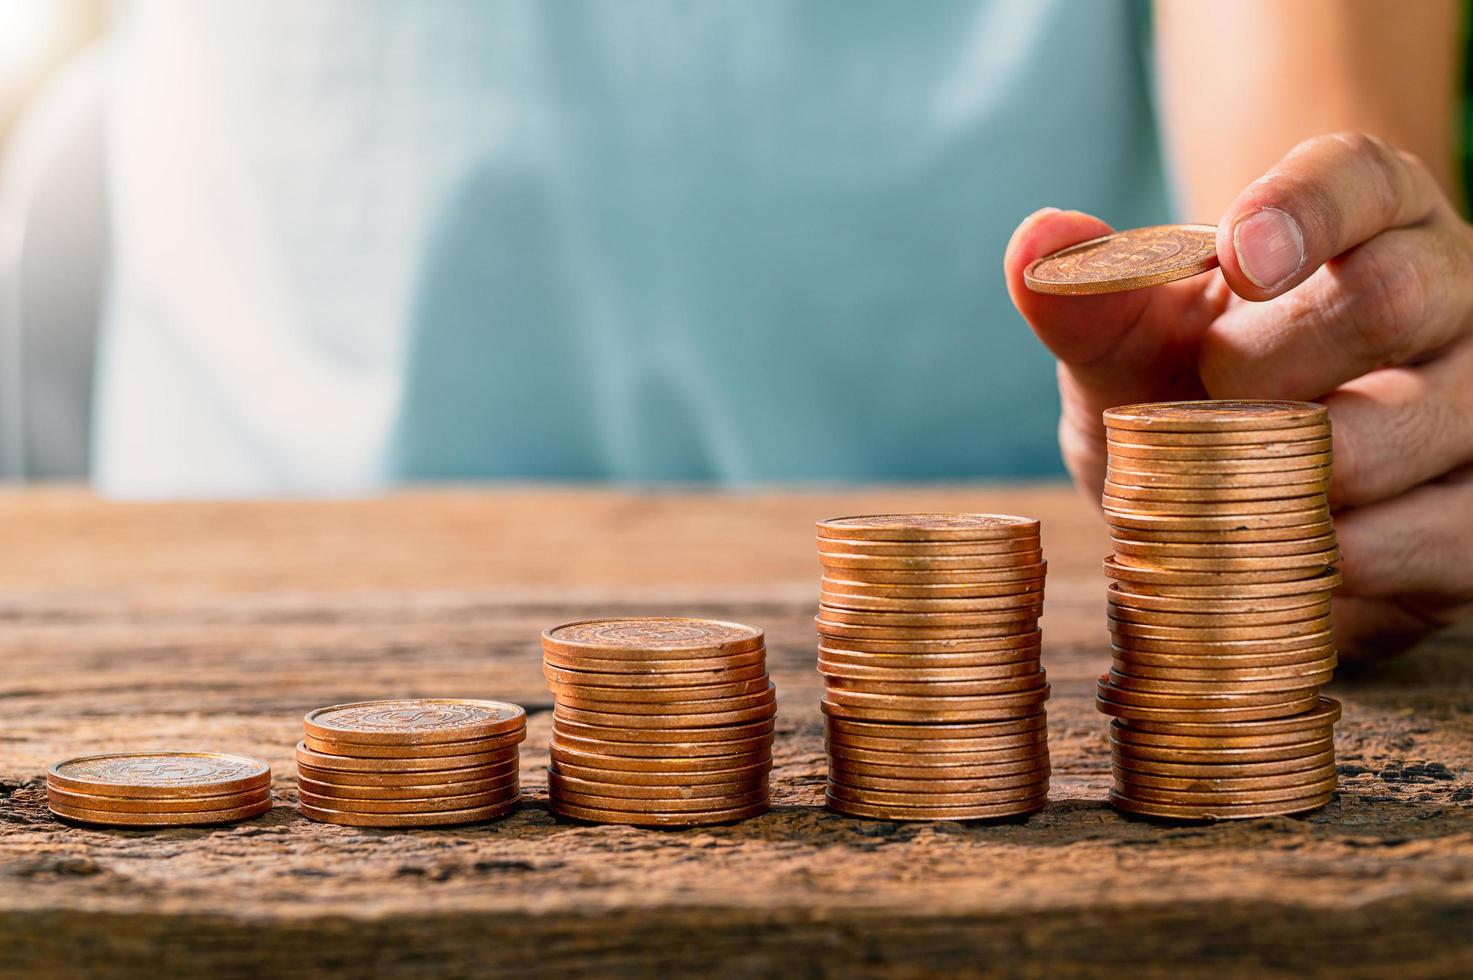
[1137, 578]
[1119, 447]
[667, 780]
[436, 804]
[926, 549]
[1010, 602]
[1009, 660]
[159, 775]
[664, 723]
[437, 818]
[846, 728]
[590, 814]
[1144, 479]
[595, 696]
[880, 797]
[1127, 632]
[931, 647]
[660, 767]
[132, 804]
[1151, 794]
[323, 760]
[1167, 715]
[562, 796]
[1321, 643]
[1030, 585]
[1214, 674]
[1207, 614]
[861, 564]
[1224, 686]
[1207, 702]
[1198, 660]
[414, 721]
[1212, 776]
[760, 699]
[929, 527]
[1245, 467]
[197, 818]
[696, 735]
[1122, 260]
[661, 680]
[839, 686]
[1165, 587]
[1027, 782]
[1128, 734]
[901, 814]
[937, 710]
[919, 675]
[1256, 549]
[317, 790]
[1310, 563]
[970, 577]
[704, 796]
[1006, 689]
[371, 750]
[1150, 756]
[936, 751]
[434, 777]
[1244, 524]
[943, 767]
[928, 620]
[1219, 436]
[1122, 598]
[719, 666]
[1320, 713]
[651, 638]
[1020, 627]
[673, 756]
[1227, 536]
[1216, 415]
[1218, 811]
[1113, 502]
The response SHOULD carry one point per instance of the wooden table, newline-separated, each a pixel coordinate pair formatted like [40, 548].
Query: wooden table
[218, 625]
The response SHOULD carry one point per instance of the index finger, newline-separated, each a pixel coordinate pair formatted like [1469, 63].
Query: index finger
[1326, 196]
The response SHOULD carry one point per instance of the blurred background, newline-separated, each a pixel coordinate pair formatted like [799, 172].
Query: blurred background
[331, 247]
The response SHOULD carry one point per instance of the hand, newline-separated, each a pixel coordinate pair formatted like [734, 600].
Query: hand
[1346, 278]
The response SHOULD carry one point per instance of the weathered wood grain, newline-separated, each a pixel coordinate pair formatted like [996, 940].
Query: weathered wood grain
[218, 625]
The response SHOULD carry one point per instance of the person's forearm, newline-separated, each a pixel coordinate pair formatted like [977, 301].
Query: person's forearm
[1240, 82]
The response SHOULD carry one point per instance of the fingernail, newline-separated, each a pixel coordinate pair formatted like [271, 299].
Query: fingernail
[1270, 247]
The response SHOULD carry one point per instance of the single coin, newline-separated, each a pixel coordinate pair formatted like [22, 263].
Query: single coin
[962, 785]
[936, 751]
[1218, 811]
[1256, 549]
[1311, 563]
[196, 818]
[1215, 675]
[1136, 578]
[1225, 686]
[651, 695]
[1207, 702]
[133, 804]
[1240, 467]
[1007, 660]
[1245, 797]
[651, 638]
[429, 777]
[1004, 587]
[901, 814]
[859, 565]
[1135, 712]
[424, 750]
[324, 760]
[1210, 617]
[673, 756]
[1117, 446]
[1027, 619]
[1118, 499]
[1219, 436]
[694, 735]
[653, 680]
[859, 646]
[1164, 586]
[1320, 643]
[927, 549]
[929, 527]
[1121, 597]
[1216, 415]
[937, 711]
[968, 577]
[1209, 483]
[1129, 734]
[469, 801]
[1123, 260]
[1149, 756]
[414, 721]
[759, 699]
[935, 689]
[880, 797]
[570, 766]
[845, 727]
[1306, 659]
[937, 767]
[158, 775]
[640, 796]
[1126, 632]
[1004, 689]
[1012, 602]
[1324, 711]
[436, 818]
[1021, 627]
[648, 819]
[659, 768]
[716, 667]
[1163, 534]
[1286, 772]
[1138, 523]
[927, 675]
[665, 723]
[411, 792]
[562, 796]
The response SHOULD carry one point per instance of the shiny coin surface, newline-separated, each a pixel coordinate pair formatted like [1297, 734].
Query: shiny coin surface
[195, 818]
[325, 760]
[717, 737]
[664, 722]
[133, 804]
[653, 637]
[1222, 415]
[155, 775]
[929, 527]
[430, 777]
[414, 721]
[925, 549]
[315, 789]
[1132, 259]
[373, 750]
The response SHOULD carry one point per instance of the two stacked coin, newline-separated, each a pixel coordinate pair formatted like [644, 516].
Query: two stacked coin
[929, 648]
[659, 721]
[410, 763]
[158, 789]
[1220, 608]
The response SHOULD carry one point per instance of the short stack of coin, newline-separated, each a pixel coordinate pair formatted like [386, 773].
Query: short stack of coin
[1220, 608]
[659, 721]
[929, 648]
[426, 762]
[159, 789]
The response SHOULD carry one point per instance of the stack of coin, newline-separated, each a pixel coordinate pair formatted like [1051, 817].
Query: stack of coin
[929, 649]
[426, 762]
[158, 789]
[1220, 607]
[659, 721]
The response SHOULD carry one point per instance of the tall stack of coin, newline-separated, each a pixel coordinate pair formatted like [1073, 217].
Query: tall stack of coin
[424, 762]
[158, 789]
[929, 647]
[1220, 608]
[659, 721]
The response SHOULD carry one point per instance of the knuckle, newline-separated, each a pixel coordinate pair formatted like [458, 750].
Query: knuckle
[1386, 294]
[1386, 173]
